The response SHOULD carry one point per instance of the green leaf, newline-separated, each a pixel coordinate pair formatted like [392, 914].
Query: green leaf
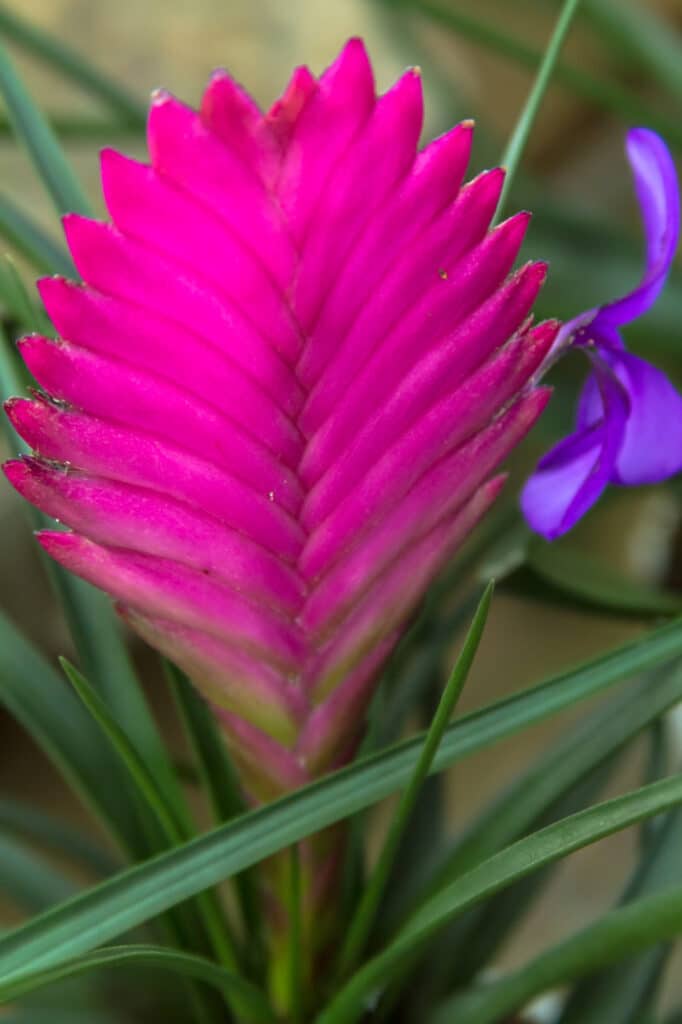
[138, 894]
[220, 782]
[643, 35]
[29, 881]
[616, 936]
[197, 968]
[361, 923]
[31, 128]
[28, 314]
[97, 637]
[40, 249]
[171, 818]
[516, 862]
[621, 995]
[72, 65]
[53, 834]
[513, 152]
[577, 574]
[36, 696]
[607, 95]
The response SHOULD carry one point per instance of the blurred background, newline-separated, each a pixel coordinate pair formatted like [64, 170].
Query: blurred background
[622, 65]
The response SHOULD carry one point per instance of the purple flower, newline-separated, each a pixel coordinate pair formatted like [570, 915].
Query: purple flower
[629, 418]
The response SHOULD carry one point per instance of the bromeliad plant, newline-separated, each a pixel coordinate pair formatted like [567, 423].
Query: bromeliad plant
[273, 412]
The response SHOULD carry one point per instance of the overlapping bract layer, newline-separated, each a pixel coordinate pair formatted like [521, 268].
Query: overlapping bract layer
[279, 394]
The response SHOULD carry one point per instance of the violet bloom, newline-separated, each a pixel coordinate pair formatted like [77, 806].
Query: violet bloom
[629, 419]
[279, 395]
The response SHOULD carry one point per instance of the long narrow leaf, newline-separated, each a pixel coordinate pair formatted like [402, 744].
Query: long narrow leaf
[610, 940]
[255, 1006]
[360, 925]
[135, 896]
[516, 862]
[31, 128]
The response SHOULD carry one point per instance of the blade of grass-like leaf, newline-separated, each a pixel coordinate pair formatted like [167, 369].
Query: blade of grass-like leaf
[600, 93]
[621, 995]
[171, 818]
[515, 862]
[549, 778]
[361, 924]
[517, 143]
[82, 127]
[72, 65]
[219, 781]
[55, 835]
[17, 228]
[37, 697]
[138, 894]
[197, 968]
[32, 129]
[616, 936]
[28, 880]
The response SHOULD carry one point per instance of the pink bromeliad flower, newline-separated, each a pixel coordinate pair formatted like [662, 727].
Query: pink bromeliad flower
[278, 396]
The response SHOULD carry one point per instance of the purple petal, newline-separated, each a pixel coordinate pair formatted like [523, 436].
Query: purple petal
[652, 446]
[657, 191]
[572, 476]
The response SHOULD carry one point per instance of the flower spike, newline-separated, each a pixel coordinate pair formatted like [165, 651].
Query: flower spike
[278, 400]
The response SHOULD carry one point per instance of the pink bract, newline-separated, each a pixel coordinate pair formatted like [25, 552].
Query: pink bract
[279, 394]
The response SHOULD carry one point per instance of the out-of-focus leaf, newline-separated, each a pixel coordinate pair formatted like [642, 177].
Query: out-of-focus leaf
[17, 228]
[643, 35]
[583, 581]
[622, 994]
[55, 835]
[138, 894]
[255, 1007]
[28, 880]
[47, 156]
[72, 65]
[604, 94]
[38, 698]
[21, 307]
[612, 939]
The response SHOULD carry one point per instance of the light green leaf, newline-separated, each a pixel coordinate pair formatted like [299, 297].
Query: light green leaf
[31, 128]
[516, 862]
[72, 65]
[18, 303]
[138, 894]
[197, 968]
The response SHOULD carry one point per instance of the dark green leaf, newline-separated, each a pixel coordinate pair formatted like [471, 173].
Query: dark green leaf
[135, 896]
